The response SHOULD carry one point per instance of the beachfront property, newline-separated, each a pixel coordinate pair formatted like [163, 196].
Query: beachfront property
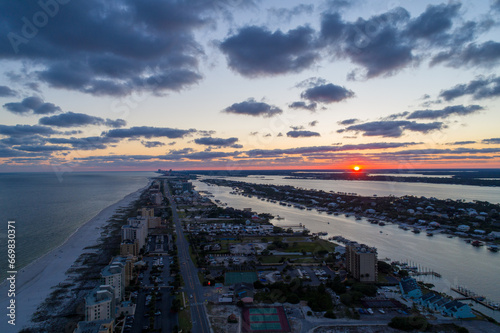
[457, 310]
[446, 306]
[129, 247]
[98, 326]
[147, 212]
[114, 275]
[100, 303]
[128, 266]
[361, 262]
[410, 288]
[136, 229]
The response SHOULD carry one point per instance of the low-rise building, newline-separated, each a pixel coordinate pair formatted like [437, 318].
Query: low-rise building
[458, 310]
[410, 288]
[98, 326]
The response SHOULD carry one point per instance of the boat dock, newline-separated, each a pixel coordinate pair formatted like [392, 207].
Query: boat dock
[427, 273]
[416, 269]
[470, 295]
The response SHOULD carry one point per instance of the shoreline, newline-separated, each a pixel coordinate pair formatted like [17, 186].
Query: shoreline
[34, 281]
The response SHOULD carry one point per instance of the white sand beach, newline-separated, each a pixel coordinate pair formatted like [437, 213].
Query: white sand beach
[34, 282]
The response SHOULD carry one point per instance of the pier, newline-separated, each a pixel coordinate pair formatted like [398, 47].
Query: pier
[470, 295]
[427, 273]
[416, 269]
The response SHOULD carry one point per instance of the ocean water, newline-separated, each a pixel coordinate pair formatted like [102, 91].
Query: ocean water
[47, 208]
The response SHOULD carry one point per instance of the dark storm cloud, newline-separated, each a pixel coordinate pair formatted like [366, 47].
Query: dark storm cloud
[147, 132]
[34, 104]
[301, 134]
[72, 119]
[479, 88]
[393, 129]
[219, 142]
[445, 113]
[209, 155]
[306, 151]
[486, 54]
[386, 43]
[119, 47]
[206, 133]
[44, 148]
[152, 144]
[7, 92]
[255, 51]
[6, 152]
[303, 105]
[449, 151]
[88, 143]
[459, 143]
[495, 5]
[327, 93]
[24, 140]
[435, 21]
[253, 108]
[184, 154]
[494, 141]
[26, 130]
[180, 151]
[376, 44]
[348, 121]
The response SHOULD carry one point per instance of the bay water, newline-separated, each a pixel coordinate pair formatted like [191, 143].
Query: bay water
[459, 263]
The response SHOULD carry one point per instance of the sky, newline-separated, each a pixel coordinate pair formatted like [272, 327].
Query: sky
[233, 84]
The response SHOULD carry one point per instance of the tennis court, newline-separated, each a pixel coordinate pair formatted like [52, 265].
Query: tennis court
[265, 320]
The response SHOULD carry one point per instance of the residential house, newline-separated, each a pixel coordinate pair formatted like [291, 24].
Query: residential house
[458, 309]
[410, 288]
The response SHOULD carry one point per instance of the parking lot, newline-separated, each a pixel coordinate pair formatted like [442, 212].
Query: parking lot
[154, 302]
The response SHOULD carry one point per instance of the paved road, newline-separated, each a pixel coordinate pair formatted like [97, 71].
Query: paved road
[192, 285]
[167, 320]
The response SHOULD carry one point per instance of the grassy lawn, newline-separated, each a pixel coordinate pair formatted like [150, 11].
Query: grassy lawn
[295, 239]
[306, 260]
[184, 316]
[275, 259]
[382, 278]
[314, 246]
[201, 277]
[192, 255]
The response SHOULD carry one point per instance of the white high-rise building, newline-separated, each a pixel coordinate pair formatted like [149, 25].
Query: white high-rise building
[100, 303]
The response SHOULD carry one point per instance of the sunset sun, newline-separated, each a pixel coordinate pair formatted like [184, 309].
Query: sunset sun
[357, 168]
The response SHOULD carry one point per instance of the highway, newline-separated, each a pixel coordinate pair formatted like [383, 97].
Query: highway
[192, 286]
